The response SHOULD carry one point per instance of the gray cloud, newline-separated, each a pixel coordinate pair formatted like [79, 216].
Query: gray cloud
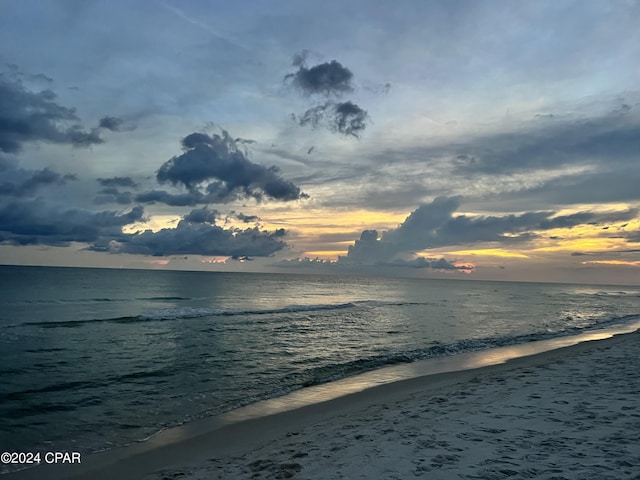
[111, 123]
[346, 118]
[246, 218]
[34, 222]
[431, 263]
[27, 116]
[610, 138]
[618, 185]
[113, 195]
[633, 236]
[27, 182]
[111, 192]
[214, 170]
[202, 215]
[199, 238]
[434, 225]
[117, 182]
[188, 199]
[343, 266]
[330, 78]
[567, 160]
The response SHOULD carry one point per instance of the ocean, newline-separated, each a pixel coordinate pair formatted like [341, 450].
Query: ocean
[91, 359]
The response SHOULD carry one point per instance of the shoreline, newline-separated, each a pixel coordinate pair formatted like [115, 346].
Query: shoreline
[251, 427]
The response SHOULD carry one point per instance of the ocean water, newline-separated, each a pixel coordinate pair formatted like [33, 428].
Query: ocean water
[91, 359]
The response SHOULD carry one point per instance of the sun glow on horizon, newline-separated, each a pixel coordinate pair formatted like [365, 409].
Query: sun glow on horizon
[490, 252]
[612, 262]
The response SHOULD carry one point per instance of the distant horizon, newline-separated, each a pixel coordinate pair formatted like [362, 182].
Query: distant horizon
[470, 140]
[325, 274]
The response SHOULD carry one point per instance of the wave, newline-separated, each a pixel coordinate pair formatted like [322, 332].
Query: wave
[179, 313]
[332, 372]
[137, 376]
[105, 299]
[163, 299]
[186, 312]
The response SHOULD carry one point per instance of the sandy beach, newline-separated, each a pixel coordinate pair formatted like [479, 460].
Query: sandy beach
[569, 413]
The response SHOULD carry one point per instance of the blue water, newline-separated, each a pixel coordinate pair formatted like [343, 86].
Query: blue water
[95, 358]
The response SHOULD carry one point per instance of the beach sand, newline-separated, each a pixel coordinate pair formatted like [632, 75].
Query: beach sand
[570, 413]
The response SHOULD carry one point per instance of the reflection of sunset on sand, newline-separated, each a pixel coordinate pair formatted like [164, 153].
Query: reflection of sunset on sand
[570, 413]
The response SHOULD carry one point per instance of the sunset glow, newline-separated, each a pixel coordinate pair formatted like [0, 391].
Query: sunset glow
[410, 140]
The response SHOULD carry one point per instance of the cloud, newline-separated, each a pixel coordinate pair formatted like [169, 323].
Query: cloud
[111, 123]
[25, 182]
[246, 218]
[580, 158]
[346, 118]
[330, 78]
[634, 237]
[613, 137]
[431, 263]
[202, 215]
[435, 225]
[111, 192]
[113, 195]
[199, 238]
[342, 266]
[214, 169]
[34, 222]
[117, 182]
[27, 116]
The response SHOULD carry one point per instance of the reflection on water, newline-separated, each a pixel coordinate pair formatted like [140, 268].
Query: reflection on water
[383, 376]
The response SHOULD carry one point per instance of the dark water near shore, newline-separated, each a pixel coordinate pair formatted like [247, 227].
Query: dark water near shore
[94, 358]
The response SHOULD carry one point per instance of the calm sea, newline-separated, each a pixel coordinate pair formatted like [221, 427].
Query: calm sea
[95, 358]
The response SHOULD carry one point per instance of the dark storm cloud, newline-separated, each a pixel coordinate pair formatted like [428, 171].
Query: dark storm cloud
[36, 223]
[111, 123]
[26, 182]
[27, 116]
[188, 199]
[202, 215]
[246, 218]
[117, 182]
[434, 225]
[111, 192]
[214, 170]
[113, 195]
[197, 238]
[346, 118]
[330, 78]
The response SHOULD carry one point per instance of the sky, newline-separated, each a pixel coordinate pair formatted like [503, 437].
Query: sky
[442, 139]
